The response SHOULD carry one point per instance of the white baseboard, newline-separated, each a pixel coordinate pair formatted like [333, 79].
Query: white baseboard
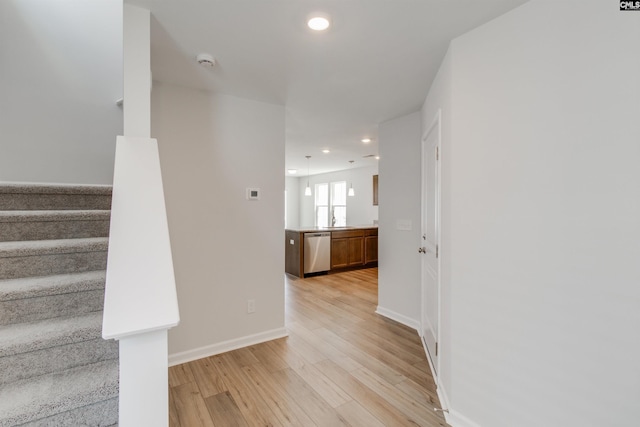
[223, 347]
[456, 419]
[453, 418]
[400, 318]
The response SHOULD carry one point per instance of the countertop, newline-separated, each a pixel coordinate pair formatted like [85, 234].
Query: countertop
[316, 229]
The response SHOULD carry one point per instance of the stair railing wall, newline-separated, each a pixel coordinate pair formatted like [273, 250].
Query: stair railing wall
[140, 297]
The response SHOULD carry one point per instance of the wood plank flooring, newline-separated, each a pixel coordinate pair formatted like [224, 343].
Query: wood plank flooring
[342, 365]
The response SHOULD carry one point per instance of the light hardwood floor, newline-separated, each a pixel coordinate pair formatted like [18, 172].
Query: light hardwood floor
[342, 364]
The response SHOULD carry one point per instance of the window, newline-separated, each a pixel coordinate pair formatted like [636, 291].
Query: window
[339, 203]
[322, 205]
[331, 203]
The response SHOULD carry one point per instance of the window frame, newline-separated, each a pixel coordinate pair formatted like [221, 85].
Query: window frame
[329, 203]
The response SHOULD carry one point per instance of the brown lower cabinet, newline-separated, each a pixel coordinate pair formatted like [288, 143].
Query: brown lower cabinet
[347, 248]
[347, 252]
[370, 245]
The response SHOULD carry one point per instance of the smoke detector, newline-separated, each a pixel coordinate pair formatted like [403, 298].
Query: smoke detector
[206, 60]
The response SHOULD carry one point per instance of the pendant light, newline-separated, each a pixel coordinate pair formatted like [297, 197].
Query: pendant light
[307, 191]
[351, 192]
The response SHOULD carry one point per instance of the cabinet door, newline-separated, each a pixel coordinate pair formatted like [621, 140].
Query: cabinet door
[370, 249]
[339, 253]
[375, 190]
[356, 251]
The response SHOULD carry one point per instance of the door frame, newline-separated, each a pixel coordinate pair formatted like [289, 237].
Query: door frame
[435, 126]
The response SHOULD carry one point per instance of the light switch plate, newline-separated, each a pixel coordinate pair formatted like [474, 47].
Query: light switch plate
[404, 224]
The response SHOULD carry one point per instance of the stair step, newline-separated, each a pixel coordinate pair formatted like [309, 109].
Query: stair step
[37, 348]
[26, 337]
[35, 298]
[49, 257]
[44, 225]
[100, 414]
[58, 358]
[59, 284]
[59, 392]
[55, 368]
[29, 196]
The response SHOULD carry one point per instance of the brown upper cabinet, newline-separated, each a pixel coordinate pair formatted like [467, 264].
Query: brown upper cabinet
[375, 190]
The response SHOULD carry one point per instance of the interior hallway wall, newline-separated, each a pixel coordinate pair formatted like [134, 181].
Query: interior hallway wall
[399, 225]
[292, 186]
[226, 249]
[543, 209]
[61, 78]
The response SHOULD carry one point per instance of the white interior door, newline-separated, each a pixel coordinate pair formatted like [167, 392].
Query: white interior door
[431, 241]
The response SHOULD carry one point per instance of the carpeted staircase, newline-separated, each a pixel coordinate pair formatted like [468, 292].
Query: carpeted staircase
[55, 368]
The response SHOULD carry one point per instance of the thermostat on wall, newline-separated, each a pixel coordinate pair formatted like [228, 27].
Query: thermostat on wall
[253, 194]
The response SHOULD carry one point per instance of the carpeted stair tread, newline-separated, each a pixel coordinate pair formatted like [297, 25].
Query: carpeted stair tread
[48, 247]
[21, 366]
[21, 196]
[43, 396]
[37, 188]
[55, 368]
[59, 284]
[25, 337]
[100, 414]
[54, 215]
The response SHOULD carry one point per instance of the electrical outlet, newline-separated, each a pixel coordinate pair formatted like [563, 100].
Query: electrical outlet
[251, 306]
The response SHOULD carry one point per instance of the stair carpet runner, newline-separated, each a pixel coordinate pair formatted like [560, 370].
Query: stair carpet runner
[55, 368]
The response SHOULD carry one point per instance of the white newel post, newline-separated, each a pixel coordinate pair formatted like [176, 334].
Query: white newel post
[140, 295]
[144, 357]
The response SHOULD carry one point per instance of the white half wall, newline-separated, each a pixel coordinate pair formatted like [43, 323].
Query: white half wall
[540, 248]
[399, 196]
[61, 78]
[360, 209]
[226, 249]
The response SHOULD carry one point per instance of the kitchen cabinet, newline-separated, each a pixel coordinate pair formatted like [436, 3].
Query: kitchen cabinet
[351, 248]
[347, 248]
[375, 190]
[371, 246]
[293, 254]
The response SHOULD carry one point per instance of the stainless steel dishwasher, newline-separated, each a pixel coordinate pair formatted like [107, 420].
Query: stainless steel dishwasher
[317, 252]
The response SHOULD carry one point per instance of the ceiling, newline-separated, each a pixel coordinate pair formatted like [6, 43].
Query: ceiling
[375, 63]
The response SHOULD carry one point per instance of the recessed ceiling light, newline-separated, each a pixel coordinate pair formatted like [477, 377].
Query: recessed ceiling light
[293, 171]
[366, 140]
[325, 151]
[318, 23]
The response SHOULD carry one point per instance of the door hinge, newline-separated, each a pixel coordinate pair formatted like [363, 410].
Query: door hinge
[437, 153]
[437, 251]
[436, 349]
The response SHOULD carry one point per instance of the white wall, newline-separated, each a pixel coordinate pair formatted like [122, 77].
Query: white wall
[226, 249]
[360, 209]
[399, 193]
[61, 77]
[542, 208]
[292, 186]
